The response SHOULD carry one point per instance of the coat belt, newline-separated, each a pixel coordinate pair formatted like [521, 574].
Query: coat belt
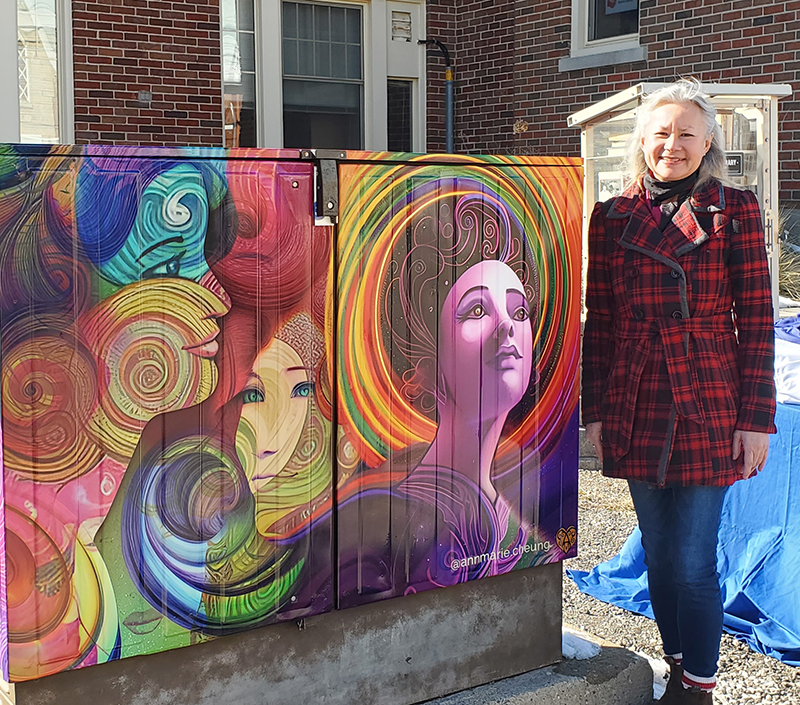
[674, 336]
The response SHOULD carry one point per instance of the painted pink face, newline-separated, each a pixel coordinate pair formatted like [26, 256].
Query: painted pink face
[486, 341]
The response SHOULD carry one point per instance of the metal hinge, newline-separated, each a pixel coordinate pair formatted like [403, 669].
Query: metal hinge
[327, 196]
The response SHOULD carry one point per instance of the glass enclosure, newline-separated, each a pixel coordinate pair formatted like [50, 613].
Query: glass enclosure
[748, 117]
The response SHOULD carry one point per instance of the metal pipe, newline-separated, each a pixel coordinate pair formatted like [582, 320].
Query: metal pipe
[449, 130]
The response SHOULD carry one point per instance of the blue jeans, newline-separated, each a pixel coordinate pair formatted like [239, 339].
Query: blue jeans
[679, 528]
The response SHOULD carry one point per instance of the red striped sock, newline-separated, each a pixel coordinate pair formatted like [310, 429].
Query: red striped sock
[692, 681]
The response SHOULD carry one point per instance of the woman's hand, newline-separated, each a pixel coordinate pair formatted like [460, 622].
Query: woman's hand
[594, 432]
[755, 447]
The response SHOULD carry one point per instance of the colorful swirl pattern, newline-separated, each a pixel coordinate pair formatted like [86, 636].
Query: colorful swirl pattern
[190, 544]
[109, 315]
[380, 203]
[124, 205]
[143, 334]
[50, 393]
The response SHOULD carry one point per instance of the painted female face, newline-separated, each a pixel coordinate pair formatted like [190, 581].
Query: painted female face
[486, 341]
[674, 141]
[169, 232]
[274, 410]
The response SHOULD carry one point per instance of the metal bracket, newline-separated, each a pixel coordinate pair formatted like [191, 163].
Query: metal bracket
[328, 188]
[327, 179]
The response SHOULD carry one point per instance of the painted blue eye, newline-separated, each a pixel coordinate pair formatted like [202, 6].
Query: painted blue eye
[252, 396]
[167, 268]
[304, 389]
[173, 267]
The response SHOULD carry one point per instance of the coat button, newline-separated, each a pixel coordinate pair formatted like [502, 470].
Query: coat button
[674, 273]
[677, 314]
[633, 272]
[638, 314]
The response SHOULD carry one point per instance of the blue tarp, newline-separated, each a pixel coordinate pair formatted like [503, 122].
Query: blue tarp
[758, 555]
[788, 329]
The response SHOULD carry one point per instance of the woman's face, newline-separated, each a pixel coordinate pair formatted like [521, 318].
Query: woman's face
[674, 141]
[274, 409]
[486, 341]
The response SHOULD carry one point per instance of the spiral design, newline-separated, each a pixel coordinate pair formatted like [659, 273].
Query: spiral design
[190, 544]
[126, 204]
[143, 335]
[541, 198]
[49, 387]
[169, 231]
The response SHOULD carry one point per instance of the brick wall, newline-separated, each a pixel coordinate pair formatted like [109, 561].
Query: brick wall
[169, 49]
[716, 40]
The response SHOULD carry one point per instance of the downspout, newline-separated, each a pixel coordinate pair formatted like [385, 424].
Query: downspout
[448, 92]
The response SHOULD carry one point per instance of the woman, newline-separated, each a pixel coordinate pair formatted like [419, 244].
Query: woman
[678, 396]
[460, 301]
[202, 531]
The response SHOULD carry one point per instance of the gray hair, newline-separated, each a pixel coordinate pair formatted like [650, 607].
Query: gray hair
[684, 91]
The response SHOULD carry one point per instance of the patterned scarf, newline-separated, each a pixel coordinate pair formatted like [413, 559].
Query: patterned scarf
[668, 195]
[661, 191]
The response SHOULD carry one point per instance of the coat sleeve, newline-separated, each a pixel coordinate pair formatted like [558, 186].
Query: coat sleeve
[598, 342]
[752, 307]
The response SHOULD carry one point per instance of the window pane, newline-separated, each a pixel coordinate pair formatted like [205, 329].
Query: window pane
[240, 113]
[247, 51]
[305, 58]
[290, 19]
[227, 9]
[338, 33]
[323, 113]
[321, 24]
[305, 21]
[353, 61]
[247, 15]
[37, 38]
[290, 66]
[231, 65]
[338, 61]
[322, 59]
[353, 18]
[322, 96]
[400, 116]
[249, 89]
[612, 19]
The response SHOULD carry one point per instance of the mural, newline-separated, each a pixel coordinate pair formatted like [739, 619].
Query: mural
[204, 431]
[457, 343]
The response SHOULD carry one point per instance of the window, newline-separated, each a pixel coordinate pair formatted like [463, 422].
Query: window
[400, 116]
[323, 70]
[39, 79]
[323, 82]
[604, 32]
[612, 18]
[239, 72]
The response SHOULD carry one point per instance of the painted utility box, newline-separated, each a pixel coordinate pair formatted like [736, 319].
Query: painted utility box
[251, 386]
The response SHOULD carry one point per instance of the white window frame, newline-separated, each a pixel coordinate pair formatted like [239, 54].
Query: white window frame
[601, 52]
[9, 80]
[375, 35]
[66, 79]
[9, 86]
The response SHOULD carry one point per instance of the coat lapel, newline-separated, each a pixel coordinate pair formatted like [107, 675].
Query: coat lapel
[683, 233]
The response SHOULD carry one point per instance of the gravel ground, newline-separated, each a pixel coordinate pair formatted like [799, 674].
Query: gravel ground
[606, 517]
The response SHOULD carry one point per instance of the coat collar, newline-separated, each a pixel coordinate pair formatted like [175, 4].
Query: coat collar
[683, 233]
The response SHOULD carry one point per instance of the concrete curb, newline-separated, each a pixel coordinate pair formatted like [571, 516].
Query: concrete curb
[616, 676]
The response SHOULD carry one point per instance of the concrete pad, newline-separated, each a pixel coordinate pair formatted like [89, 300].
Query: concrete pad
[616, 676]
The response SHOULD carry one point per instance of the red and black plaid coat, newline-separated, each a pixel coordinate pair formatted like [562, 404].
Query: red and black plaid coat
[678, 344]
